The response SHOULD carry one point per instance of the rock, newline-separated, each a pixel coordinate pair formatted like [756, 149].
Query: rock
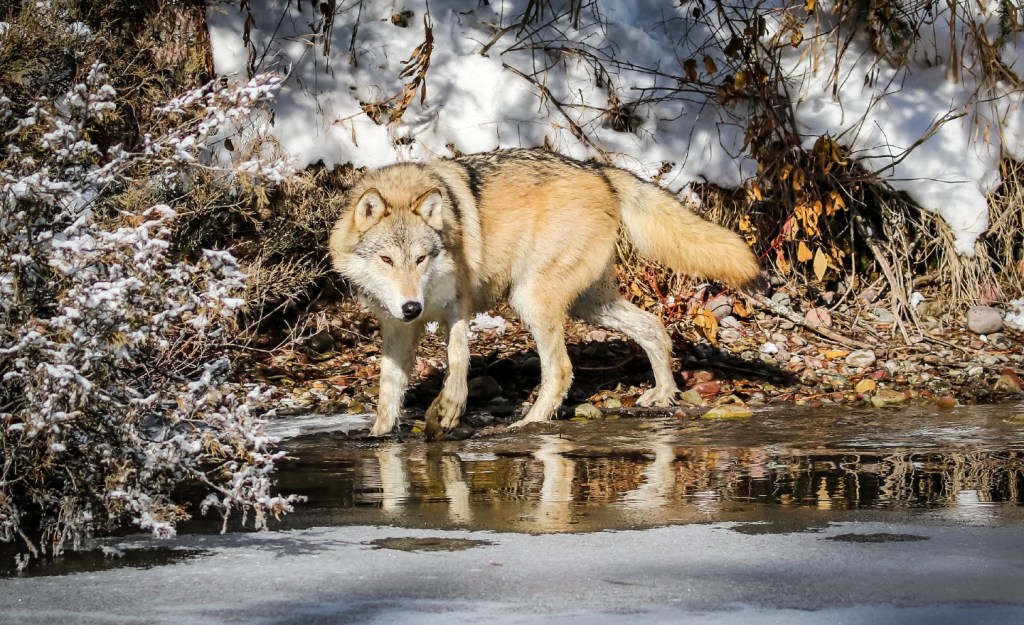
[818, 318]
[597, 336]
[769, 349]
[946, 402]
[321, 343]
[729, 335]
[1008, 382]
[861, 358]
[887, 398]
[1000, 341]
[720, 305]
[478, 420]
[706, 389]
[729, 411]
[530, 367]
[868, 296]
[984, 320]
[484, 387]
[866, 385]
[502, 369]
[586, 412]
[882, 315]
[692, 397]
[730, 322]
[702, 375]
[499, 407]
[612, 403]
[783, 298]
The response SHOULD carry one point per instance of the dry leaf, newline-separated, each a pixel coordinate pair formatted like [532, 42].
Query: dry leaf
[820, 264]
[803, 253]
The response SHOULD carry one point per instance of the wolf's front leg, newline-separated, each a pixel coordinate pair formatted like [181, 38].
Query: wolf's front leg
[399, 355]
[447, 408]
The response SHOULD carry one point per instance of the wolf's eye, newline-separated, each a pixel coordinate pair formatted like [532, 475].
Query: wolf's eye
[419, 261]
[387, 259]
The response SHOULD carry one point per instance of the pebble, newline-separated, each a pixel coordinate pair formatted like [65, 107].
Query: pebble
[818, 318]
[984, 320]
[868, 296]
[729, 411]
[888, 397]
[692, 397]
[707, 388]
[587, 412]
[1008, 382]
[720, 305]
[484, 387]
[866, 386]
[781, 297]
[861, 358]
[883, 315]
[321, 343]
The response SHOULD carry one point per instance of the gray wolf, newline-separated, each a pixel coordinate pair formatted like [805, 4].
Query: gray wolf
[442, 240]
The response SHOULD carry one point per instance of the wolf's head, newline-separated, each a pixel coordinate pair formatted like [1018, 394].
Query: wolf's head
[388, 243]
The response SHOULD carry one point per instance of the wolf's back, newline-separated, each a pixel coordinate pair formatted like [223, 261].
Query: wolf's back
[663, 229]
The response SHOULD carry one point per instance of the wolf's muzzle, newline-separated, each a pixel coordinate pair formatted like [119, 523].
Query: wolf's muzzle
[411, 310]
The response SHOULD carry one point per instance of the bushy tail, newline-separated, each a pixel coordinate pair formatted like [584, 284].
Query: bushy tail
[663, 229]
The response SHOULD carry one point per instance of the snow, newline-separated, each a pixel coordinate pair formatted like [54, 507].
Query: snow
[477, 99]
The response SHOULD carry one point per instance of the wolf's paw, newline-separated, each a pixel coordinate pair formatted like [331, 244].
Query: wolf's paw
[383, 426]
[443, 415]
[659, 396]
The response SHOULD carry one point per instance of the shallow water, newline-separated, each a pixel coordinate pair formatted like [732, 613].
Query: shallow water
[785, 469]
[782, 468]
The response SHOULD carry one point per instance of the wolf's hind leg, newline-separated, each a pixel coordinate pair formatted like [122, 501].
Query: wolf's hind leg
[602, 305]
[446, 409]
[399, 355]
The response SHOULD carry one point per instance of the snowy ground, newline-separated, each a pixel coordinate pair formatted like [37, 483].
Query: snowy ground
[477, 97]
[695, 574]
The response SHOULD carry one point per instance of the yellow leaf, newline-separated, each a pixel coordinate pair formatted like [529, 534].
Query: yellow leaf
[809, 5]
[835, 353]
[820, 264]
[709, 65]
[803, 253]
[796, 38]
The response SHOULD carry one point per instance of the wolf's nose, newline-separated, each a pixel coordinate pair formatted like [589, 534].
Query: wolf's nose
[411, 310]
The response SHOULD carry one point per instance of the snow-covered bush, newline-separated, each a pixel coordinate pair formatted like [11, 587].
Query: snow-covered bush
[112, 394]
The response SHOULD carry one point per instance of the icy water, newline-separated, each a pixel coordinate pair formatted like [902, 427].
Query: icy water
[785, 469]
[782, 469]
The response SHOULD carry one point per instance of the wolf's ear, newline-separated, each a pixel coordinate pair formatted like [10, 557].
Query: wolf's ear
[429, 206]
[369, 209]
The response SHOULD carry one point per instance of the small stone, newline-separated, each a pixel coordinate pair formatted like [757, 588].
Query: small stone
[1000, 341]
[975, 371]
[702, 375]
[888, 397]
[612, 403]
[321, 343]
[946, 402]
[730, 322]
[1008, 382]
[484, 387]
[882, 315]
[597, 336]
[818, 318]
[720, 305]
[530, 367]
[868, 296]
[861, 358]
[865, 386]
[984, 320]
[586, 412]
[783, 298]
[692, 397]
[729, 335]
[707, 389]
[729, 411]
[502, 369]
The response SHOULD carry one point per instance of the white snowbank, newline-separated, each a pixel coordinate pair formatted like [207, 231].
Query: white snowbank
[476, 102]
